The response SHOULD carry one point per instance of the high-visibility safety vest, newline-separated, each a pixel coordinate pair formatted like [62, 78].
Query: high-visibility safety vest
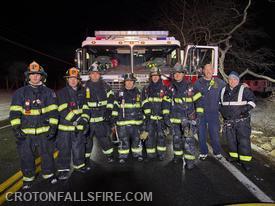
[34, 109]
[237, 102]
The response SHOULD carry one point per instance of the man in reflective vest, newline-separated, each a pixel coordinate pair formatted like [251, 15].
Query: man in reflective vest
[236, 103]
[156, 107]
[207, 109]
[128, 117]
[99, 98]
[183, 117]
[72, 125]
[33, 116]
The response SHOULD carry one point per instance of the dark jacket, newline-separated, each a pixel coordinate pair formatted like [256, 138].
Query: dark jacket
[70, 107]
[34, 109]
[237, 102]
[210, 90]
[127, 107]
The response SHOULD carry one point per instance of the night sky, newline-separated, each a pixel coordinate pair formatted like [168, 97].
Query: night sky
[58, 29]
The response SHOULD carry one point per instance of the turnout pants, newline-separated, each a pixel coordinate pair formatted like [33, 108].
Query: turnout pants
[129, 139]
[155, 144]
[70, 144]
[26, 150]
[183, 146]
[237, 134]
[211, 124]
[101, 131]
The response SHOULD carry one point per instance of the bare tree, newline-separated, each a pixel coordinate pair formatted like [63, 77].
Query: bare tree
[222, 23]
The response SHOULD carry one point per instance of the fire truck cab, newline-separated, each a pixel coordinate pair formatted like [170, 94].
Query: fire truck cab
[123, 52]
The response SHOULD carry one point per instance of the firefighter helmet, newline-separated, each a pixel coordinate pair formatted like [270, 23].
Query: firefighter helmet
[72, 72]
[155, 71]
[95, 67]
[129, 76]
[35, 68]
[178, 68]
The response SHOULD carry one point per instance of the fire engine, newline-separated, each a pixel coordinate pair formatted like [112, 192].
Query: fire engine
[131, 51]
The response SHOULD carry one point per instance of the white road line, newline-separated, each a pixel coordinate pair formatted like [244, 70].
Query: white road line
[254, 189]
[5, 126]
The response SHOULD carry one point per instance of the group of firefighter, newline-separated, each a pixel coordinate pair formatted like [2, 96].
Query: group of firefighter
[68, 120]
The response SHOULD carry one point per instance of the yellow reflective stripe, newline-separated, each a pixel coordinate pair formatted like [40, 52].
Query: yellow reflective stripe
[110, 93]
[197, 96]
[187, 99]
[116, 103]
[136, 150]
[167, 99]
[70, 115]
[161, 149]
[49, 108]
[16, 108]
[175, 120]
[62, 107]
[109, 151]
[245, 158]
[47, 176]
[189, 157]
[165, 111]
[114, 113]
[150, 150]
[53, 121]
[86, 116]
[110, 106]
[28, 179]
[200, 110]
[42, 129]
[78, 166]
[154, 99]
[97, 119]
[79, 127]
[66, 128]
[144, 101]
[123, 151]
[156, 117]
[87, 155]
[178, 153]
[130, 106]
[88, 95]
[34, 131]
[147, 111]
[85, 106]
[97, 104]
[15, 122]
[233, 154]
[32, 112]
[129, 122]
[178, 100]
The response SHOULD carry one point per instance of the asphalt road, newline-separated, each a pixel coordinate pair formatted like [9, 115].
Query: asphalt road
[209, 183]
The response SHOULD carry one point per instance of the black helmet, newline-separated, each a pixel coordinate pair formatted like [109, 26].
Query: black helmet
[178, 68]
[73, 72]
[129, 76]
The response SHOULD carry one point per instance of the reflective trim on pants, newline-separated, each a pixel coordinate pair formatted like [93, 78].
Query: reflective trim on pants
[109, 151]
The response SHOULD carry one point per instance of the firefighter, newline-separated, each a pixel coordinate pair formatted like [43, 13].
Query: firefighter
[237, 101]
[183, 117]
[156, 105]
[128, 117]
[99, 98]
[207, 109]
[34, 118]
[73, 125]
